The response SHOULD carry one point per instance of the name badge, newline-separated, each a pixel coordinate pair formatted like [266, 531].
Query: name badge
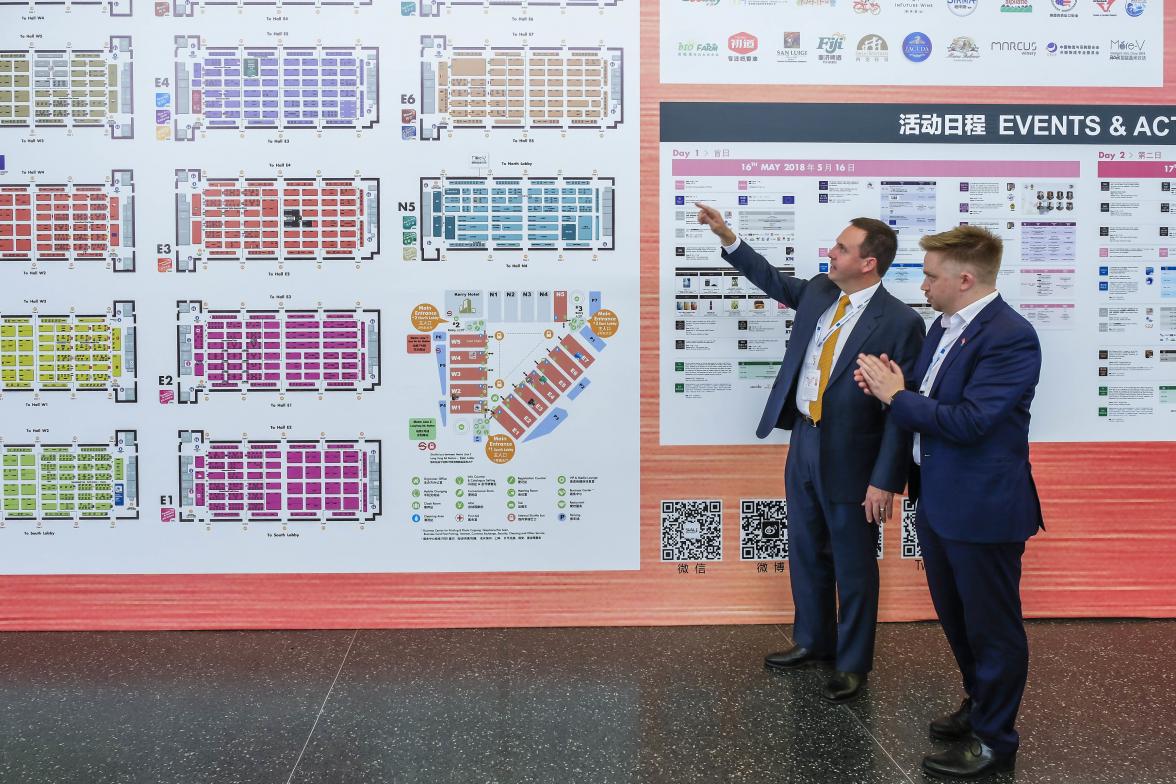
[809, 383]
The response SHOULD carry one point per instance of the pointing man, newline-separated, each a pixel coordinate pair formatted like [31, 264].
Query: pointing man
[845, 463]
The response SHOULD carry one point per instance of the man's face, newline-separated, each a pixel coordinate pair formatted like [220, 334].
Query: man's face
[941, 282]
[845, 261]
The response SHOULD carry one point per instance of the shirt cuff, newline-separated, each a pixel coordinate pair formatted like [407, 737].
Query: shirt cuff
[732, 247]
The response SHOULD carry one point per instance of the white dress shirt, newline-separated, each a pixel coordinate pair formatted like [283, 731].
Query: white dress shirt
[953, 327]
[812, 355]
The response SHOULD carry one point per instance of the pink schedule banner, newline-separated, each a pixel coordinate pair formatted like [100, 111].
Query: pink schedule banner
[730, 167]
[1137, 170]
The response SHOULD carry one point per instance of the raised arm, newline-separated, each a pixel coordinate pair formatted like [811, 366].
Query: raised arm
[777, 285]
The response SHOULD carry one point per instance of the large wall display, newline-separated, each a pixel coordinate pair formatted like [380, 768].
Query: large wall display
[339, 314]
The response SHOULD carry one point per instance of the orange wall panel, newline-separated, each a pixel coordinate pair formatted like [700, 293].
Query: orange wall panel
[1108, 551]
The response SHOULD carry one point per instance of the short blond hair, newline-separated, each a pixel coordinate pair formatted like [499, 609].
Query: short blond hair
[968, 246]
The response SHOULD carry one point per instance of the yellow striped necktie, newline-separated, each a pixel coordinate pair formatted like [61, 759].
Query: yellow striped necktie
[825, 363]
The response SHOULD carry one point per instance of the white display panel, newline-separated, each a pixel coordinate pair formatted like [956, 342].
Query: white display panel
[1018, 43]
[230, 308]
[1086, 228]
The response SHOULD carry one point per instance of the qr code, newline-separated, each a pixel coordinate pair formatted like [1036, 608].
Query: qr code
[763, 529]
[692, 530]
[910, 539]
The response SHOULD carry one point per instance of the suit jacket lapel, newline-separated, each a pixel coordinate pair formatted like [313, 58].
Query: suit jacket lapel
[866, 324]
[930, 344]
[968, 334]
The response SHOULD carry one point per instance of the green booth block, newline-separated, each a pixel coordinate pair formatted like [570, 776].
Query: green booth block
[422, 429]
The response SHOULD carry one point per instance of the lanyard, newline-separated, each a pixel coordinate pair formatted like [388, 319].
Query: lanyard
[924, 387]
[820, 341]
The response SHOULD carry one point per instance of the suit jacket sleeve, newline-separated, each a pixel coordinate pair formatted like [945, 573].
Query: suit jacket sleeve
[999, 380]
[777, 285]
[894, 456]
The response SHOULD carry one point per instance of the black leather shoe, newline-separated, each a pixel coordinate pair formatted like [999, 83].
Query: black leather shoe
[954, 726]
[844, 686]
[795, 658]
[970, 759]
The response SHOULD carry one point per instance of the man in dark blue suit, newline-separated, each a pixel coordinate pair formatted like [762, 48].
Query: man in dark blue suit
[842, 455]
[977, 503]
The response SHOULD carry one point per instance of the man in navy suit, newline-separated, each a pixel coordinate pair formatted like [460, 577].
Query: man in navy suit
[842, 455]
[977, 503]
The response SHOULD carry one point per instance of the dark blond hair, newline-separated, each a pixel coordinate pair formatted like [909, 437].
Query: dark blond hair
[968, 246]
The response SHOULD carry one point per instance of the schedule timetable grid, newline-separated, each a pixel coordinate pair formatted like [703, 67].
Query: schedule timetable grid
[290, 218]
[276, 350]
[519, 87]
[70, 222]
[516, 213]
[69, 88]
[71, 481]
[266, 87]
[278, 481]
[70, 353]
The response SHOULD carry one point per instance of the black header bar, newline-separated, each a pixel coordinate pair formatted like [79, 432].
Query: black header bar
[841, 123]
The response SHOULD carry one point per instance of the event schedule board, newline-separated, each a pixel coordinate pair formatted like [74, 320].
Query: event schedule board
[298, 287]
[1083, 197]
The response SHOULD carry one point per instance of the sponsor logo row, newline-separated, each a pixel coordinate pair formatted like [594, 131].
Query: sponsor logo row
[916, 47]
[1052, 8]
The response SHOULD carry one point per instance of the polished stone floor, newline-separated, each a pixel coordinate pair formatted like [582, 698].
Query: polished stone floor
[555, 706]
